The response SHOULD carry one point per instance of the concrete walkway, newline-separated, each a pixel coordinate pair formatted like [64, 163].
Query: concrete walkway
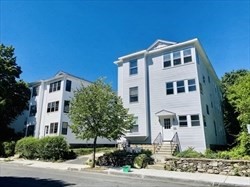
[199, 178]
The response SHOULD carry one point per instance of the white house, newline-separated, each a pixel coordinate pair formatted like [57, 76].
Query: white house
[49, 107]
[172, 89]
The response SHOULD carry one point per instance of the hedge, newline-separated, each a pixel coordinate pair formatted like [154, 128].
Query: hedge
[47, 148]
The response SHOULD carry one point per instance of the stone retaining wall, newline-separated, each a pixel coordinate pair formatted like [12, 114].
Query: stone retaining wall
[212, 166]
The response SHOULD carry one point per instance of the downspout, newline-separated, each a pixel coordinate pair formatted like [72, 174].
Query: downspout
[147, 105]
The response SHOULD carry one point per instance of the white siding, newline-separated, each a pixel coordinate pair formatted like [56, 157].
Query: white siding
[179, 103]
[138, 80]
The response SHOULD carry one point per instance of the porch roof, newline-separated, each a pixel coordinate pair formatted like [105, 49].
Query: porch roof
[164, 113]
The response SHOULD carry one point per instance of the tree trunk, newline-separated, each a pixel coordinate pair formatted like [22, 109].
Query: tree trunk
[93, 159]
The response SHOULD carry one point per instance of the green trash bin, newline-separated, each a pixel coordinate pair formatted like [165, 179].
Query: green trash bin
[126, 168]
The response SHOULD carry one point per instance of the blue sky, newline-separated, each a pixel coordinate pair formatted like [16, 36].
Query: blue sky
[84, 38]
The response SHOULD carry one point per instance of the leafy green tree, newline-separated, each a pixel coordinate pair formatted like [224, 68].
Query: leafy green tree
[231, 121]
[96, 111]
[239, 97]
[14, 93]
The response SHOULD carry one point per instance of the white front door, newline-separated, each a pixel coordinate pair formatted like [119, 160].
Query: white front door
[167, 129]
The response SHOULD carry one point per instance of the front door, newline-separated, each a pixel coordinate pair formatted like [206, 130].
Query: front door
[167, 129]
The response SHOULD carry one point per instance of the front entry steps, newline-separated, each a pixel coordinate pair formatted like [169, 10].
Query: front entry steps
[164, 150]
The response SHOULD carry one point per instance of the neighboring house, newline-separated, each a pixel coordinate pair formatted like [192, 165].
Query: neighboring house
[49, 108]
[172, 88]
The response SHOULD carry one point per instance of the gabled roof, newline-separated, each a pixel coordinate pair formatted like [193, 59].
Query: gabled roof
[164, 113]
[159, 44]
[62, 73]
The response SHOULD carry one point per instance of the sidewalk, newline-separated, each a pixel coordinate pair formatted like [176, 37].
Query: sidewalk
[199, 178]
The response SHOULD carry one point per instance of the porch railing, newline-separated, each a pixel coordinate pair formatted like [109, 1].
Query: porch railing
[157, 141]
[175, 142]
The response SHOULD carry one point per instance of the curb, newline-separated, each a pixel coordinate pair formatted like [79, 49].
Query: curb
[142, 176]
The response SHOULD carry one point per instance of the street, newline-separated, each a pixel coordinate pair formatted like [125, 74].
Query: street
[18, 176]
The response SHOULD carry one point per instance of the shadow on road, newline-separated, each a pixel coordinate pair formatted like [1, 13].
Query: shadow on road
[31, 182]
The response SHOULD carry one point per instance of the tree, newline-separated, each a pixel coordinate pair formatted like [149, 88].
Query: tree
[96, 111]
[14, 93]
[239, 97]
[231, 121]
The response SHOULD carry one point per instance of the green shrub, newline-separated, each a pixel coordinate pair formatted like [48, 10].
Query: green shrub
[9, 148]
[1, 149]
[53, 148]
[120, 158]
[210, 154]
[141, 161]
[27, 147]
[190, 153]
[244, 147]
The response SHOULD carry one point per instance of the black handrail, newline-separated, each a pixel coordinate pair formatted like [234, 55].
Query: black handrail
[157, 141]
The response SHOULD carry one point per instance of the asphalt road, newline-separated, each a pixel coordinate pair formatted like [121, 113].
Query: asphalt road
[12, 175]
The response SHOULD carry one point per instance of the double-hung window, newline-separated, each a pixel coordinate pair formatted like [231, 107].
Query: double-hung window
[55, 86]
[135, 126]
[169, 88]
[167, 60]
[191, 85]
[133, 69]
[183, 121]
[66, 107]
[177, 58]
[64, 128]
[180, 87]
[53, 106]
[133, 94]
[53, 128]
[68, 85]
[32, 110]
[187, 55]
[195, 121]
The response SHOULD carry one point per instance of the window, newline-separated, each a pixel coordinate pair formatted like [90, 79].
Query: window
[32, 110]
[55, 86]
[35, 91]
[53, 128]
[66, 107]
[204, 79]
[201, 89]
[177, 58]
[208, 78]
[133, 94]
[64, 128]
[68, 85]
[195, 121]
[215, 130]
[191, 85]
[135, 126]
[207, 108]
[166, 60]
[46, 129]
[180, 87]
[133, 67]
[53, 106]
[167, 123]
[187, 55]
[183, 121]
[204, 121]
[170, 88]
